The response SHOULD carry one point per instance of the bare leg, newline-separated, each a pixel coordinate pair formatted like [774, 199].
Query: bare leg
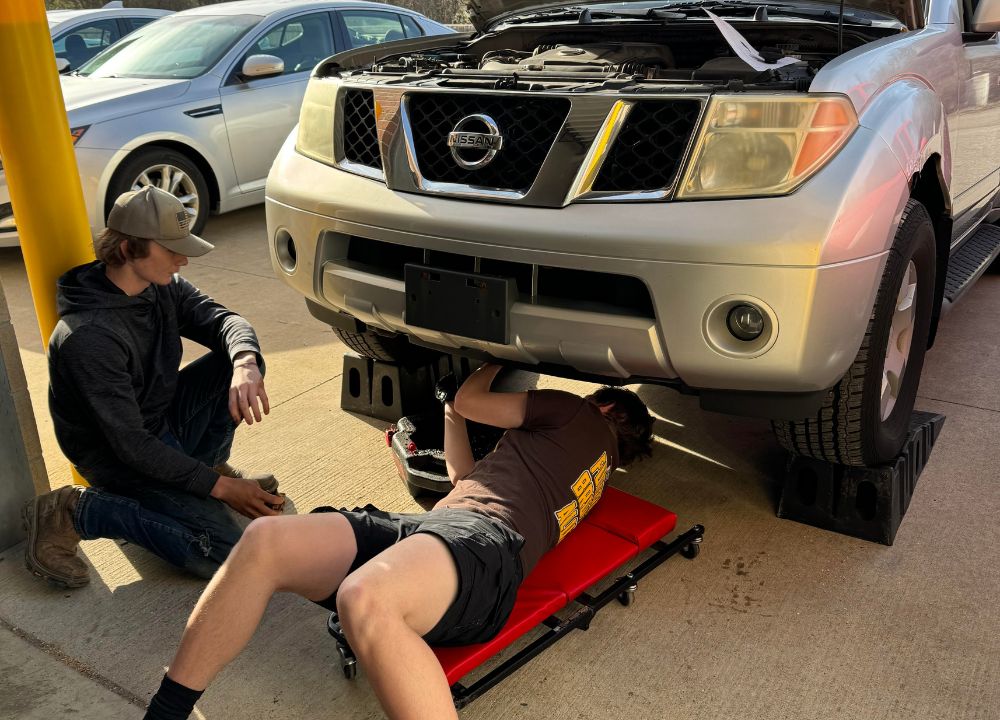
[385, 607]
[457, 450]
[304, 554]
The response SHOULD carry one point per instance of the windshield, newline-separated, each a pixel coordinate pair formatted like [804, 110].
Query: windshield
[173, 47]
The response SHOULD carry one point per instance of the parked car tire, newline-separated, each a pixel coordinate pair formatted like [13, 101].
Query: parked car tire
[169, 170]
[388, 348]
[865, 419]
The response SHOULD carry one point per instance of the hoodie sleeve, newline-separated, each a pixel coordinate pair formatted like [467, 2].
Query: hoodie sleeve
[208, 323]
[94, 362]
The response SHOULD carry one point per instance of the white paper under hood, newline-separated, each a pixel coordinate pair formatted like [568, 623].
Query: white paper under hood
[743, 49]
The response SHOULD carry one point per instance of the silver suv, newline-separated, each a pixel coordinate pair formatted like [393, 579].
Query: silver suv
[768, 204]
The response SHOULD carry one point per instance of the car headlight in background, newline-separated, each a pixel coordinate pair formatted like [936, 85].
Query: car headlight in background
[76, 133]
[315, 138]
[751, 145]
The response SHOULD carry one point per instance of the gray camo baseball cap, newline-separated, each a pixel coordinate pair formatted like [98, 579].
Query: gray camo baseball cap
[156, 215]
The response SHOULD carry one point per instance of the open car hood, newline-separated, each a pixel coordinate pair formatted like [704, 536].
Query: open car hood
[484, 12]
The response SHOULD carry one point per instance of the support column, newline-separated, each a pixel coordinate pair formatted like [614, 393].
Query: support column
[38, 157]
[42, 176]
[20, 452]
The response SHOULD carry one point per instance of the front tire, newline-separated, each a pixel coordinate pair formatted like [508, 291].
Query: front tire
[866, 417]
[386, 348]
[168, 170]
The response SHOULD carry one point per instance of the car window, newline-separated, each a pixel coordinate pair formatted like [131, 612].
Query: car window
[85, 41]
[300, 42]
[368, 27]
[134, 23]
[176, 46]
[410, 26]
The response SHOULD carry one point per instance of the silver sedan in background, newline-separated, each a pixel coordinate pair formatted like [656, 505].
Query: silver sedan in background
[199, 102]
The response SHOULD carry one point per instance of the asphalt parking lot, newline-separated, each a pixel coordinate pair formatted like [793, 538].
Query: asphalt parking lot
[773, 620]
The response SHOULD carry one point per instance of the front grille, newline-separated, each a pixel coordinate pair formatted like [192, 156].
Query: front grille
[528, 126]
[647, 154]
[360, 135]
[541, 284]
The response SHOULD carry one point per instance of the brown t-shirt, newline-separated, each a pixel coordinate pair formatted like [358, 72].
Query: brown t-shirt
[545, 476]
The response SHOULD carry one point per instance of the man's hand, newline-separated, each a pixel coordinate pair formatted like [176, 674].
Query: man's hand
[245, 497]
[246, 393]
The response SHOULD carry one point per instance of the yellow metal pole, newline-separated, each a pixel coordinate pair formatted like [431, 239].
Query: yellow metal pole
[38, 157]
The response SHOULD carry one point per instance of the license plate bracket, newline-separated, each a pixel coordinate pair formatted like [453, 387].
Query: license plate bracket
[460, 303]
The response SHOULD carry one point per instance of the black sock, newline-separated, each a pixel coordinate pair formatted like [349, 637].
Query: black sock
[172, 701]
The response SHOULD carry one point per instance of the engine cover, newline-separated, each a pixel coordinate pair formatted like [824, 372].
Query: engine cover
[602, 57]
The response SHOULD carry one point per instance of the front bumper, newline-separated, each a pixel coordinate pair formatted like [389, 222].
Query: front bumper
[690, 257]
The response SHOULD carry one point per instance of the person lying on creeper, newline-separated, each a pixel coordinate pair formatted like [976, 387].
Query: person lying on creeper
[152, 440]
[404, 582]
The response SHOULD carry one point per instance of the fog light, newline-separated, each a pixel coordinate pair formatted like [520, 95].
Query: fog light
[745, 322]
[284, 251]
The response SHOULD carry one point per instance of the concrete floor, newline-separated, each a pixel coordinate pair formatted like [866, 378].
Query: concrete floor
[773, 620]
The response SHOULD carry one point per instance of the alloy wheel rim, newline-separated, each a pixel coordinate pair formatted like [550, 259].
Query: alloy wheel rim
[175, 181]
[897, 350]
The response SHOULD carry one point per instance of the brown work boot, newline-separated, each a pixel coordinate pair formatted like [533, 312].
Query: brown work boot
[52, 539]
[268, 483]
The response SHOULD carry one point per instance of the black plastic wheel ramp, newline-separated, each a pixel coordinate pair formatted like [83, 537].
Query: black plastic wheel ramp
[864, 502]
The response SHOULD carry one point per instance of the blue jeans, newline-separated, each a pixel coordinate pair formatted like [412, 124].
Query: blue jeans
[192, 533]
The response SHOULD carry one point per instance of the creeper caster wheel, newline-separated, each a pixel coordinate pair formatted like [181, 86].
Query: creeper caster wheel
[348, 663]
[627, 596]
[691, 550]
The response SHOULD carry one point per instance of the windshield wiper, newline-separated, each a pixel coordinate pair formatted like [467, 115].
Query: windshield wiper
[582, 15]
[676, 11]
[751, 7]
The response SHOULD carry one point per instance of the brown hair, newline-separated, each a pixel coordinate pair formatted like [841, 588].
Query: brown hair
[108, 247]
[632, 422]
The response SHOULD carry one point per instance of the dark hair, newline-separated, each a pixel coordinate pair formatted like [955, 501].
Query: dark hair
[108, 247]
[632, 421]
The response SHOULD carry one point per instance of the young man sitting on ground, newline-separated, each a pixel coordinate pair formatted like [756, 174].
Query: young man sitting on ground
[153, 441]
[404, 582]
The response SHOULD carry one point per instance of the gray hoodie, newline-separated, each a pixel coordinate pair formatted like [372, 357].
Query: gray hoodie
[113, 368]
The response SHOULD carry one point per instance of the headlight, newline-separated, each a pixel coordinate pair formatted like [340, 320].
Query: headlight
[76, 133]
[315, 139]
[754, 146]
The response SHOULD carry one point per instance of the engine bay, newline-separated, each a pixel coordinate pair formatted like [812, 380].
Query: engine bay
[696, 53]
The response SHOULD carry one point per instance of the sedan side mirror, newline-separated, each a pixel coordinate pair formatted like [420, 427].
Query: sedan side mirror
[261, 66]
[62, 65]
[986, 19]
